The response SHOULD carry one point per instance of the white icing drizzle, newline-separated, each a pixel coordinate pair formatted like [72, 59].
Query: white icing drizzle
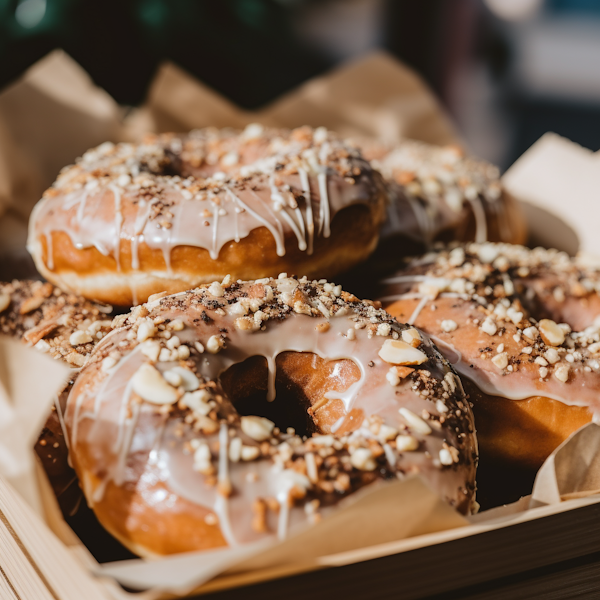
[118, 224]
[154, 453]
[236, 235]
[324, 224]
[426, 222]
[221, 506]
[130, 424]
[50, 251]
[310, 223]
[337, 424]
[98, 492]
[214, 253]
[283, 497]
[418, 296]
[413, 278]
[418, 309]
[390, 455]
[183, 219]
[301, 225]
[123, 410]
[223, 476]
[301, 237]
[480, 220]
[81, 208]
[138, 233]
[277, 234]
[134, 296]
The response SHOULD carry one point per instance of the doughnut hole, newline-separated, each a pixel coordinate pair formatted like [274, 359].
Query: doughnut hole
[301, 380]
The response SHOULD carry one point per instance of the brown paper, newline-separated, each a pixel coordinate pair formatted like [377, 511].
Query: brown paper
[51, 115]
[178, 102]
[375, 96]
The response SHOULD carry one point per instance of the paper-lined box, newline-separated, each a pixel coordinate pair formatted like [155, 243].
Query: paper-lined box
[53, 114]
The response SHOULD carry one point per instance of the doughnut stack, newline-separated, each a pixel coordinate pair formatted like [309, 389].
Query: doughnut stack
[229, 402]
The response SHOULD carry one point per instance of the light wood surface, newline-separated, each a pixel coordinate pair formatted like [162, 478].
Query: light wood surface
[34, 564]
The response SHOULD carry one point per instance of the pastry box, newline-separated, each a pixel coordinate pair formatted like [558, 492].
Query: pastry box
[395, 540]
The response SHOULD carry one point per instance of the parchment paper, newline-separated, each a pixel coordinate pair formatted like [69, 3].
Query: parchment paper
[558, 183]
[28, 382]
[572, 470]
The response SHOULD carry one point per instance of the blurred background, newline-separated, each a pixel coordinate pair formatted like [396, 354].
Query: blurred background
[506, 70]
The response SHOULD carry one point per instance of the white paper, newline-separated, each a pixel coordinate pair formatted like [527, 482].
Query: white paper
[559, 182]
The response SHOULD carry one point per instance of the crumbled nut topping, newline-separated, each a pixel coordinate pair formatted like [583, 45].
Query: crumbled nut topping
[509, 285]
[203, 164]
[60, 324]
[320, 467]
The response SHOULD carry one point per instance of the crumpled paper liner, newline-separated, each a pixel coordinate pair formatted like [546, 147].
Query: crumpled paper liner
[571, 471]
[28, 382]
[51, 115]
[558, 182]
[374, 96]
[377, 515]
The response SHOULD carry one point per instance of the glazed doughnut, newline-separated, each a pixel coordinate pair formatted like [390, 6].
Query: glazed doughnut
[237, 411]
[127, 221]
[521, 328]
[66, 327]
[437, 193]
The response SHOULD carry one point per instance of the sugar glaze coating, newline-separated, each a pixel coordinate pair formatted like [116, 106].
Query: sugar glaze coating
[151, 414]
[493, 291]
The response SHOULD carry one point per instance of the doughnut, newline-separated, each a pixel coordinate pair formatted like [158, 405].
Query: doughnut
[437, 193]
[128, 221]
[66, 327]
[237, 411]
[521, 327]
